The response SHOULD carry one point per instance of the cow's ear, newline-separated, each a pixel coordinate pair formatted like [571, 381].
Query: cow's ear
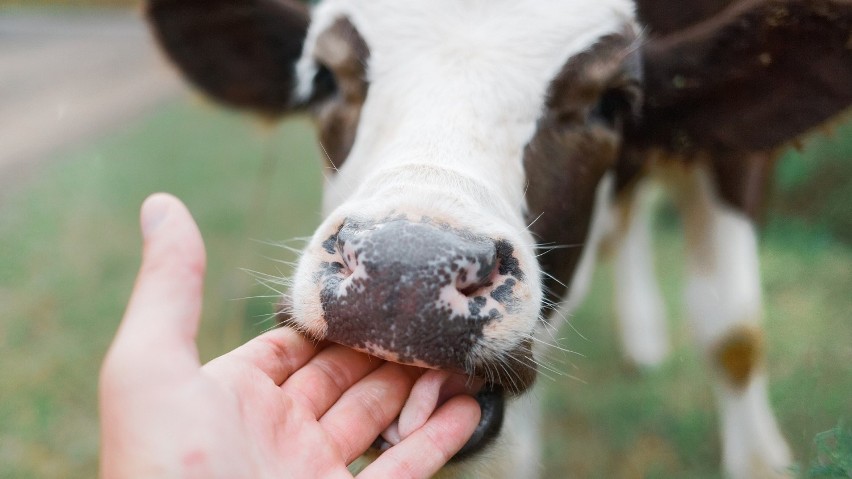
[752, 76]
[663, 17]
[239, 52]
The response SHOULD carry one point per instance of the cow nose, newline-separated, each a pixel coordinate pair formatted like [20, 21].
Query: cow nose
[414, 256]
[412, 292]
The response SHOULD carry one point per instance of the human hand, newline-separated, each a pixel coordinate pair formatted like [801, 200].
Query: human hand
[277, 406]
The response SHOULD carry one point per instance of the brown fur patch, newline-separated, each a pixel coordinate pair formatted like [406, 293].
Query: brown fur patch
[663, 17]
[576, 142]
[750, 78]
[239, 53]
[343, 51]
[739, 354]
[743, 180]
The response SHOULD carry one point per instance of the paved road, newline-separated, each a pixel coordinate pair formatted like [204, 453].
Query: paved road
[68, 78]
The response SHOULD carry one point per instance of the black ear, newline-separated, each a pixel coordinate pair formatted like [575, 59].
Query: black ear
[240, 52]
[751, 76]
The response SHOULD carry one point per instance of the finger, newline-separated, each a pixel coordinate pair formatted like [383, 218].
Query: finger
[429, 448]
[277, 354]
[431, 390]
[367, 408]
[164, 309]
[327, 376]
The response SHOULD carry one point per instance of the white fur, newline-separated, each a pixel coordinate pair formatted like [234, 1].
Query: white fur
[723, 274]
[752, 444]
[446, 91]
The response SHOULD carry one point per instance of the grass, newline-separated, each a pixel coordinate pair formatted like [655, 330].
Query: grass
[614, 422]
[814, 184]
[70, 246]
[70, 250]
[834, 449]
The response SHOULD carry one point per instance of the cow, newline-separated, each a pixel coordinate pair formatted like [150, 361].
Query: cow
[483, 151]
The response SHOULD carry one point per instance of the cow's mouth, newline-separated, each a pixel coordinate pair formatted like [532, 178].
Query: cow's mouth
[431, 391]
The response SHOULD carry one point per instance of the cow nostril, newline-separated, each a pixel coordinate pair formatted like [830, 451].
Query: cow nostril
[471, 280]
[470, 290]
[348, 257]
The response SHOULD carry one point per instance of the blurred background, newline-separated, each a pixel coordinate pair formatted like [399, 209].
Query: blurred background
[92, 121]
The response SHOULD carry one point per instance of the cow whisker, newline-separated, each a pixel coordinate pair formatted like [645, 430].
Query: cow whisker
[557, 347]
[536, 219]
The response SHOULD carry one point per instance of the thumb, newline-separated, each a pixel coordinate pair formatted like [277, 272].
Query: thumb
[164, 311]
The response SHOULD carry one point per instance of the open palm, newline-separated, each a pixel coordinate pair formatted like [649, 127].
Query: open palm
[278, 406]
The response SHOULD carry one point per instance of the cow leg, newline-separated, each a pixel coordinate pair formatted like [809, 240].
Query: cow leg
[723, 300]
[522, 437]
[638, 303]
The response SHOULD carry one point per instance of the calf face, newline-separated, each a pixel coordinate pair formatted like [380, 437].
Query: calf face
[425, 256]
[466, 137]
[451, 127]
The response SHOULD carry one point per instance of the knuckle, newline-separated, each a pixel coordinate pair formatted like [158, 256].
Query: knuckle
[371, 402]
[332, 373]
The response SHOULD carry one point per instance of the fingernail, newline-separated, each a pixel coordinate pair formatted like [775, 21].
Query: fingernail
[391, 434]
[154, 211]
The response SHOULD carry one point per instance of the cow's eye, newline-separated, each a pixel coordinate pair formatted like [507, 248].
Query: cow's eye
[617, 104]
[611, 108]
[324, 83]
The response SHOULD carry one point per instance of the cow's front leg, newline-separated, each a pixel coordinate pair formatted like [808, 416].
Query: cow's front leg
[723, 299]
[638, 302]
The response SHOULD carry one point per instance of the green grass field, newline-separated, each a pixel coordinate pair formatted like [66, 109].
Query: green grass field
[70, 247]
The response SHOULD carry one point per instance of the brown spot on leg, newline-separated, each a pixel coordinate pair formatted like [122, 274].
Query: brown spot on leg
[739, 353]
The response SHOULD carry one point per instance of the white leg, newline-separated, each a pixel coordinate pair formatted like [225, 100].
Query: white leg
[638, 302]
[523, 434]
[723, 300]
[753, 447]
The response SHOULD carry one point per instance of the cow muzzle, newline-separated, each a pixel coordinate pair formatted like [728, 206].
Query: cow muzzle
[421, 293]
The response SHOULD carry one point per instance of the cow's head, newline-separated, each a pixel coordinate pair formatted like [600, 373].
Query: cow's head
[464, 135]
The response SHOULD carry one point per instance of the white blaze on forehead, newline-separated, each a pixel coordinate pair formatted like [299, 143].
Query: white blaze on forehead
[459, 84]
